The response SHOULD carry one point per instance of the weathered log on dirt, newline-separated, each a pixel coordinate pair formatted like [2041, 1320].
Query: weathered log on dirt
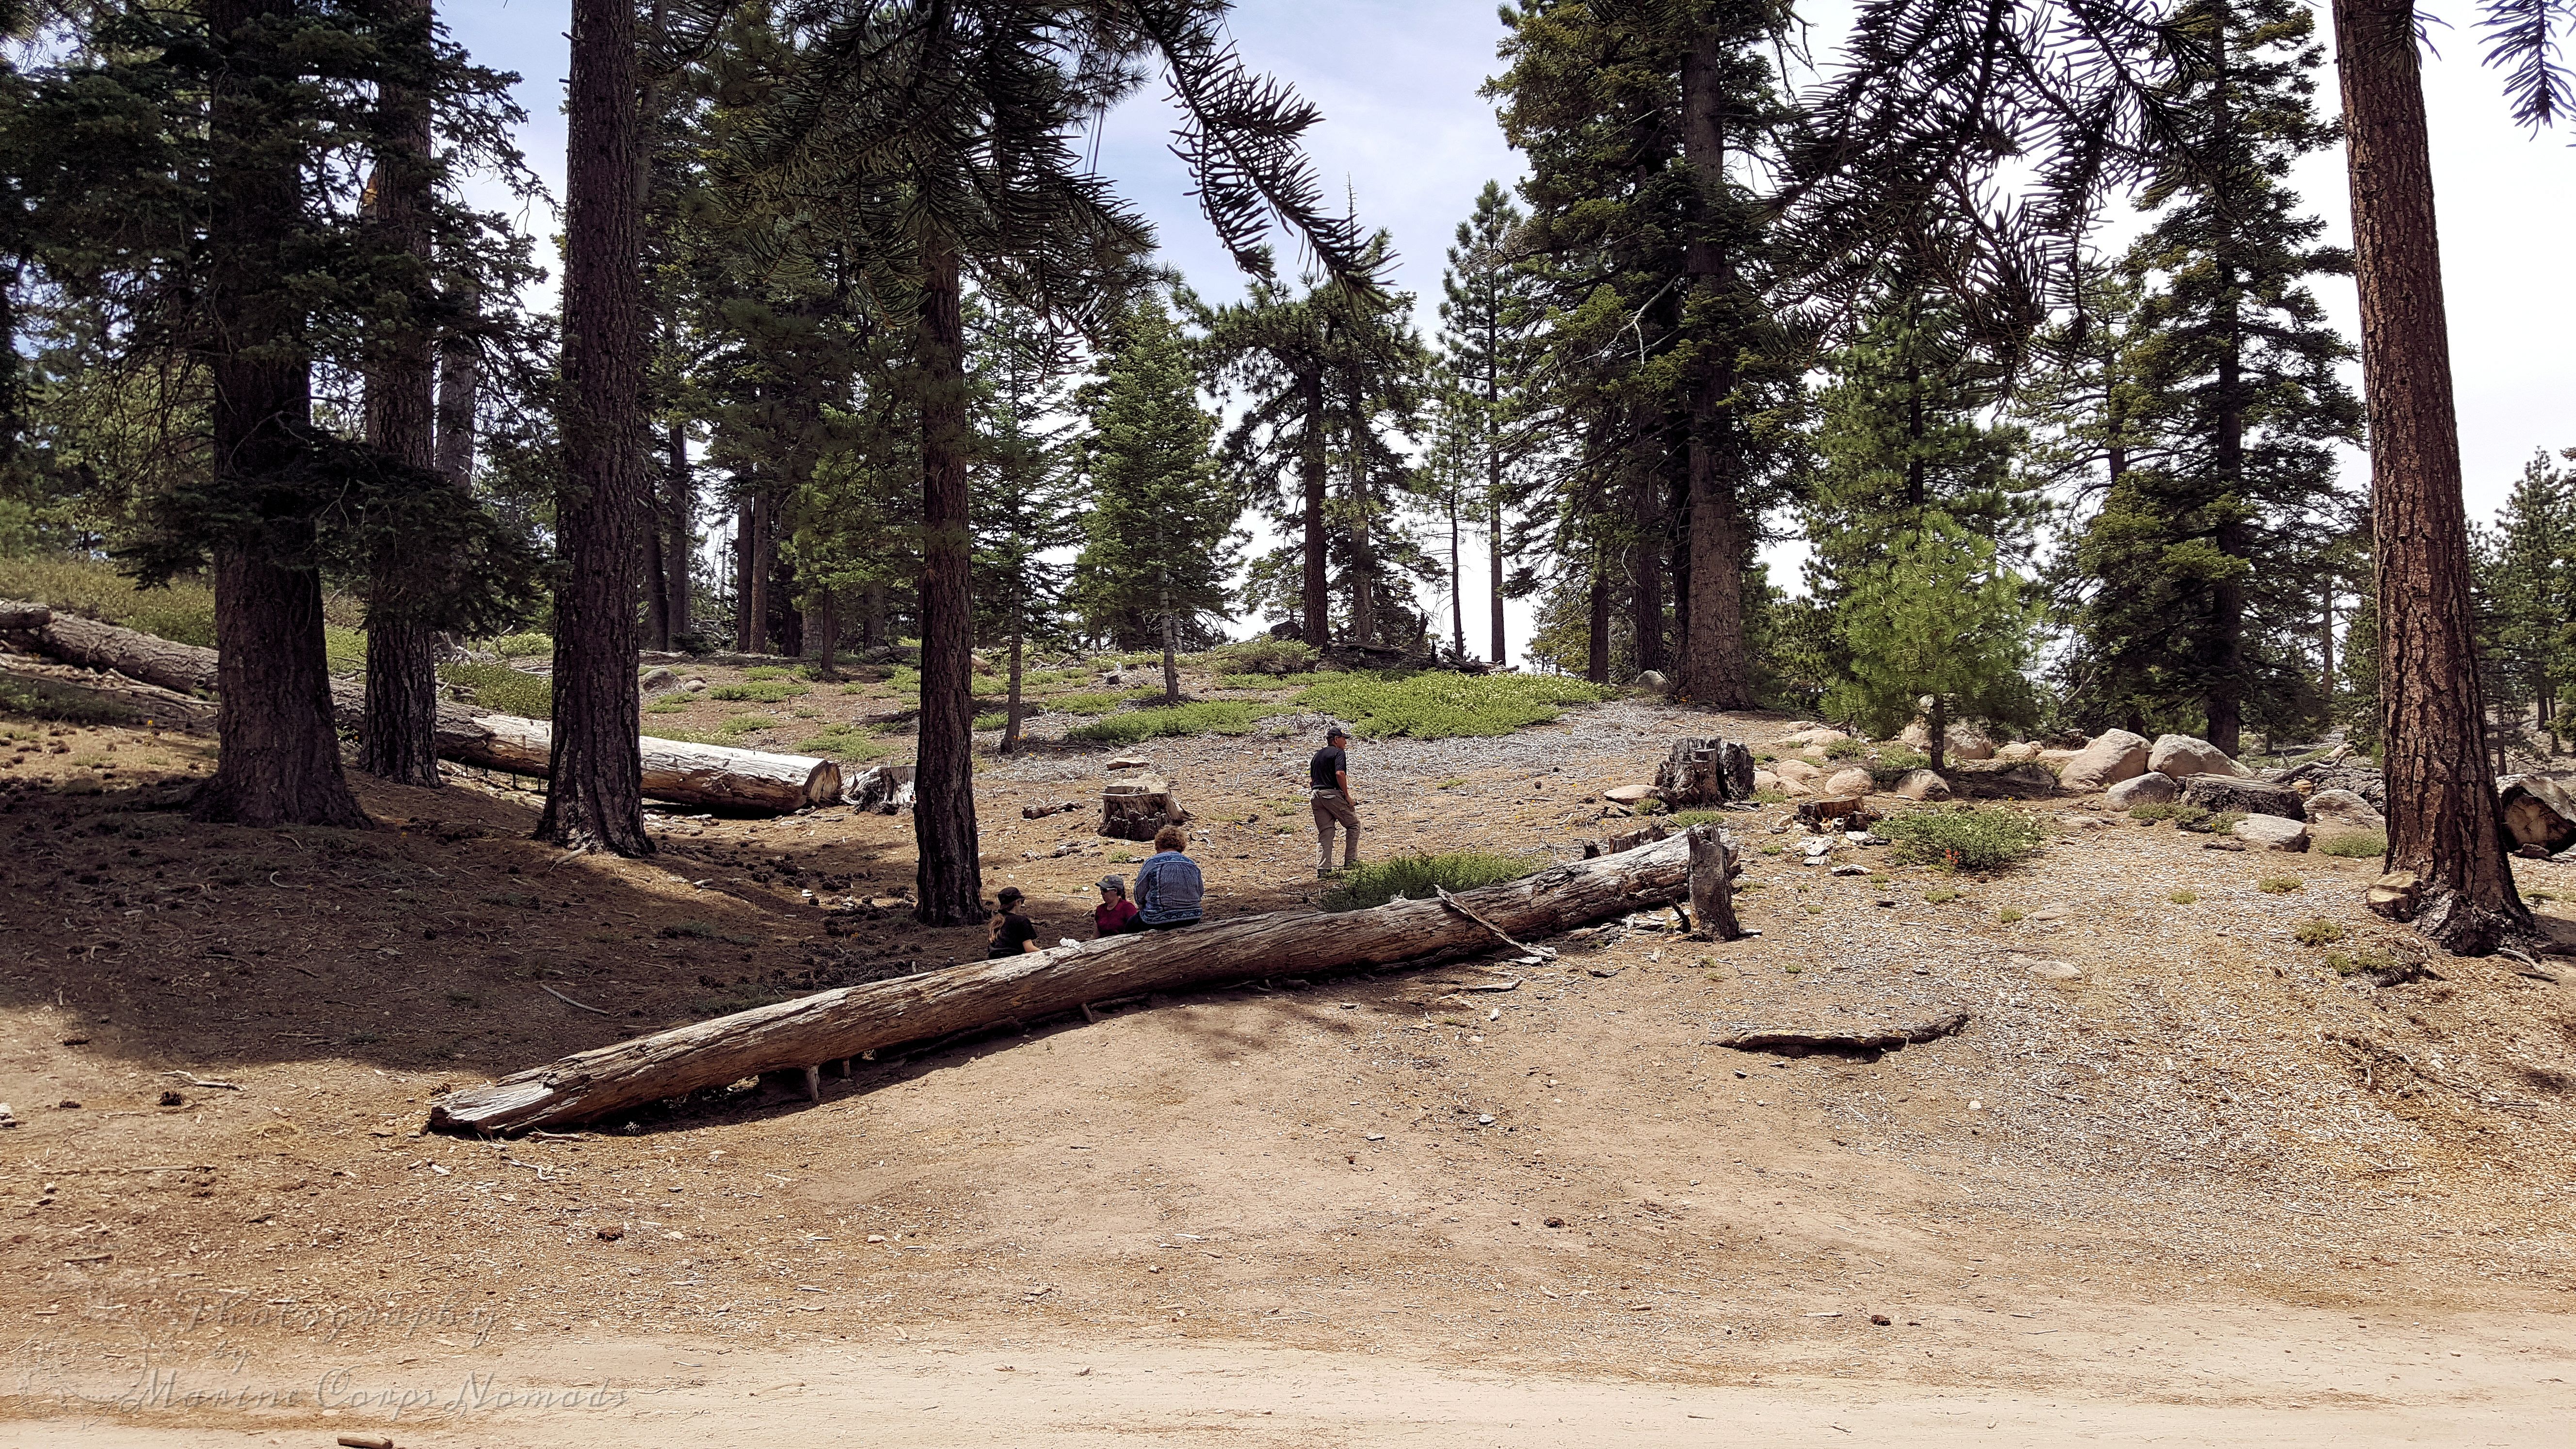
[833, 1025]
[1798, 1041]
[1704, 771]
[708, 775]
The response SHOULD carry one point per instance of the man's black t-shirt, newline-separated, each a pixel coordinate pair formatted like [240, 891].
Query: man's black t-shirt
[1328, 766]
[1011, 931]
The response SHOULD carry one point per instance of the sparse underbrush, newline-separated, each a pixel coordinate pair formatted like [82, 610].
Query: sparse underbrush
[1414, 876]
[1969, 838]
[1137, 725]
[2319, 932]
[502, 689]
[771, 690]
[2354, 845]
[1259, 656]
[1436, 705]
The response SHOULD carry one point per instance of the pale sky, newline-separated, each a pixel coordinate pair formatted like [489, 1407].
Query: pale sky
[1407, 135]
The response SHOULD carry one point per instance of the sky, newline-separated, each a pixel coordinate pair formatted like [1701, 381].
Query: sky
[1407, 136]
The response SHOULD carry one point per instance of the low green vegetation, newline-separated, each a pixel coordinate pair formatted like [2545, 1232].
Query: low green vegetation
[502, 689]
[779, 671]
[1685, 819]
[524, 646]
[2280, 885]
[1247, 681]
[998, 719]
[676, 704]
[1260, 656]
[2183, 898]
[1940, 895]
[1969, 838]
[2372, 959]
[2354, 845]
[849, 743]
[1094, 703]
[772, 690]
[44, 699]
[1894, 763]
[1414, 876]
[2010, 914]
[1846, 749]
[2319, 932]
[1436, 705]
[1205, 718]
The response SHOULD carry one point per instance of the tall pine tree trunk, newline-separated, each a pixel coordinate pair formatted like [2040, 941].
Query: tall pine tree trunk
[460, 379]
[279, 758]
[682, 502]
[949, 881]
[1457, 593]
[1316, 597]
[1171, 660]
[1596, 638]
[1019, 631]
[1715, 671]
[398, 737]
[2441, 802]
[1494, 549]
[594, 794]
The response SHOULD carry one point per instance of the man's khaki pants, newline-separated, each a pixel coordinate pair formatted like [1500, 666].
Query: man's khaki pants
[1331, 807]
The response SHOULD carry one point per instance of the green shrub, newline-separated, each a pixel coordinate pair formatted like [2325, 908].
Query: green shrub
[779, 671]
[999, 719]
[1437, 705]
[2319, 932]
[1895, 762]
[1216, 718]
[1966, 838]
[1413, 876]
[1846, 749]
[1246, 681]
[844, 742]
[1083, 703]
[2354, 845]
[2183, 898]
[1261, 656]
[503, 690]
[2280, 885]
[1940, 895]
[2010, 914]
[1685, 819]
[676, 704]
[523, 646]
[764, 691]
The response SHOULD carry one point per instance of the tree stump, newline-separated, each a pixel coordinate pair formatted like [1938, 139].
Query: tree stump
[1138, 807]
[1712, 883]
[1704, 772]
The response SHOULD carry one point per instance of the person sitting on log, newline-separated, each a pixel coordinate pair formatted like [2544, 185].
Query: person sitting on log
[1168, 888]
[1115, 915]
[1011, 934]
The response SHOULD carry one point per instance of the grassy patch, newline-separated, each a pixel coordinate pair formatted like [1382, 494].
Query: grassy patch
[1247, 681]
[1437, 705]
[1965, 838]
[760, 691]
[1846, 749]
[523, 646]
[1454, 781]
[778, 671]
[1685, 819]
[2010, 914]
[1091, 703]
[2280, 885]
[677, 704]
[43, 699]
[844, 742]
[2183, 898]
[1413, 876]
[1894, 763]
[1210, 718]
[1260, 656]
[2319, 932]
[997, 720]
[1940, 895]
[500, 688]
[2354, 845]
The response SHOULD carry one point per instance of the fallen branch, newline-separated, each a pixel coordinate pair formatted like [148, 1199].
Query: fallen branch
[852, 1021]
[568, 1001]
[1543, 953]
[1798, 1041]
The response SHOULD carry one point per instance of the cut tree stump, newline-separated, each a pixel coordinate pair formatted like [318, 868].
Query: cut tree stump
[1137, 807]
[828, 1026]
[1707, 771]
[1712, 883]
[708, 775]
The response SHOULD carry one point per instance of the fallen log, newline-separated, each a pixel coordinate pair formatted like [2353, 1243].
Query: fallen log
[715, 776]
[836, 1025]
[1798, 1041]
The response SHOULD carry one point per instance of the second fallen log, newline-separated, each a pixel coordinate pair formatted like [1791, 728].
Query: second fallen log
[835, 1025]
[691, 774]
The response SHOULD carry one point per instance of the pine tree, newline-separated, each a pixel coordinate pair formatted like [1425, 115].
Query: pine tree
[2528, 583]
[1159, 540]
[1489, 324]
[1939, 626]
[2204, 565]
[1028, 495]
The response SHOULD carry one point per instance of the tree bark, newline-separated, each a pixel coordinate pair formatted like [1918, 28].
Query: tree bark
[279, 758]
[2440, 791]
[949, 881]
[1712, 883]
[1646, 578]
[1171, 652]
[1316, 597]
[1596, 655]
[681, 555]
[837, 1025]
[1011, 710]
[1457, 591]
[1715, 671]
[594, 799]
[460, 379]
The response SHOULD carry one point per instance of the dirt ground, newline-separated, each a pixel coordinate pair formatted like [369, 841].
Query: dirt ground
[2205, 1190]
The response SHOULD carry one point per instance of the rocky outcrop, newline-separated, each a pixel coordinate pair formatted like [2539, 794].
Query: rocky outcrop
[2002, 780]
[2111, 757]
[2182, 755]
[2536, 810]
[2271, 832]
[2150, 788]
[2343, 812]
[1850, 782]
[1922, 785]
[2247, 797]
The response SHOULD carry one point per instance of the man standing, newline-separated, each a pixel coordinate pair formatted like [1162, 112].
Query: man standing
[1330, 774]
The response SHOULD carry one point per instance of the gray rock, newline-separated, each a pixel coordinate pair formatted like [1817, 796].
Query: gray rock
[657, 677]
[2049, 970]
[2151, 788]
[1850, 782]
[2248, 797]
[2002, 780]
[2111, 757]
[1652, 682]
[1851, 868]
[1922, 785]
[2181, 755]
[2343, 810]
[2537, 810]
[2271, 832]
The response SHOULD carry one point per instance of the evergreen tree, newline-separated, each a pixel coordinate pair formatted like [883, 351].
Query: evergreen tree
[2204, 565]
[1489, 326]
[1939, 626]
[1159, 540]
[1028, 499]
[2527, 580]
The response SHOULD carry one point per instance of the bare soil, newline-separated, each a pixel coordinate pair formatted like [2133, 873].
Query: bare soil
[2207, 1189]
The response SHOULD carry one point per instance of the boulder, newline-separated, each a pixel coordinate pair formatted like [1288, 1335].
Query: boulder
[1796, 789]
[2016, 751]
[2109, 758]
[659, 677]
[2180, 755]
[1797, 771]
[2248, 797]
[2271, 832]
[2343, 810]
[1628, 794]
[1966, 742]
[2536, 810]
[1850, 782]
[1816, 738]
[1652, 682]
[1915, 736]
[2002, 780]
[2150, 788]
[1766, 783]
[1922, 785]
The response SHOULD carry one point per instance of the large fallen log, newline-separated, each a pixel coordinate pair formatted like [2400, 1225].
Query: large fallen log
[715, 776]
[836, 1025]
